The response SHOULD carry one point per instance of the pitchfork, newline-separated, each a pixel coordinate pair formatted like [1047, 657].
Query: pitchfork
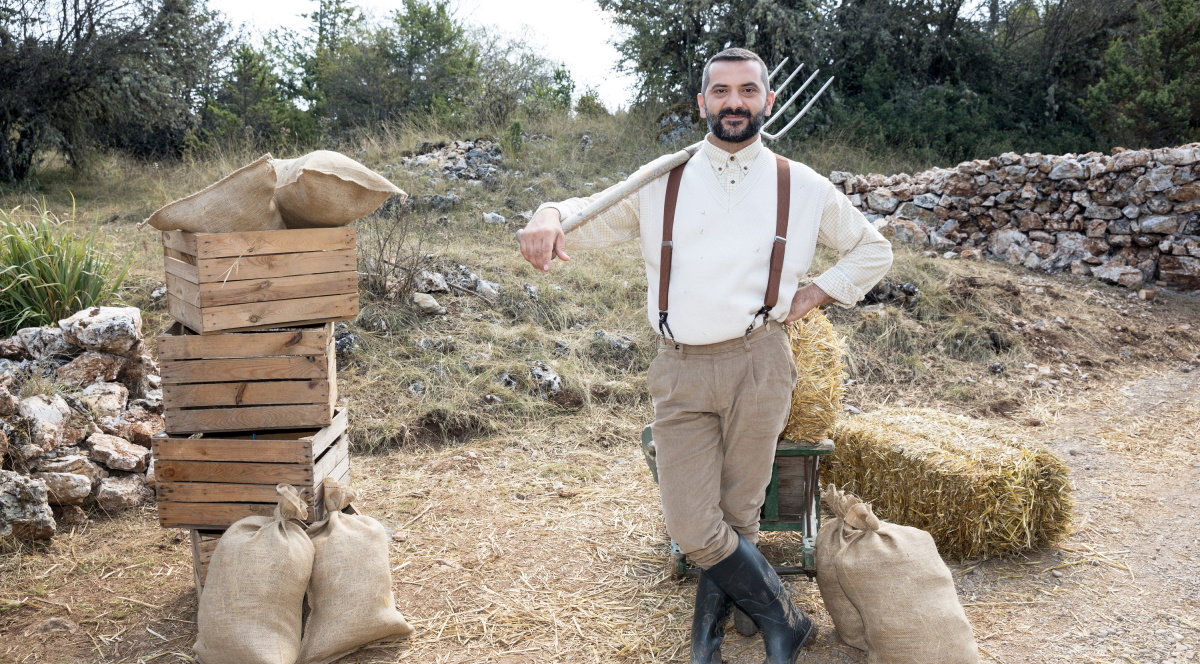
[664, 164]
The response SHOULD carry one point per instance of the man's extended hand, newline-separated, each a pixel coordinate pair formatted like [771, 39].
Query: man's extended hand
[542, 239]
[805, 300]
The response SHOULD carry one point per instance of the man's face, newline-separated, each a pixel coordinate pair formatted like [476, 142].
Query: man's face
[736, 102]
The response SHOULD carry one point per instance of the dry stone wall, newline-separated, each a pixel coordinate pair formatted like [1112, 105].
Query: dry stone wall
[1130, 217]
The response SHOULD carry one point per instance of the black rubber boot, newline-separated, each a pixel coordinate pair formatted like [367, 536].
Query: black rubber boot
[708, 622]
[748, 579]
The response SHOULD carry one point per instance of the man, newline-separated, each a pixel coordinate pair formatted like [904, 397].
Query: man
[721, 383]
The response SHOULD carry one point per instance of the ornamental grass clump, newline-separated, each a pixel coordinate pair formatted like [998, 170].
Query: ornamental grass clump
[980, 488]
[48, 273]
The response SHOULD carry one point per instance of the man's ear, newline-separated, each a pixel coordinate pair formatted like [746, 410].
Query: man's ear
[770, 101]
[700, 103]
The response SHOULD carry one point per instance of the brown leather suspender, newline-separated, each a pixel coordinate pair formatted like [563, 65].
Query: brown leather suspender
[783, 202]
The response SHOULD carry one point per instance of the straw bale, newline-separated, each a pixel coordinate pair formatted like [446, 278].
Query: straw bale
[979, 487]
[817, 397]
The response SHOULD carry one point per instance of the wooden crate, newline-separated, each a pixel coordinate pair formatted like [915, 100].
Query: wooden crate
[248, 381]
[204, 542]
[209, 482]
[218, 282]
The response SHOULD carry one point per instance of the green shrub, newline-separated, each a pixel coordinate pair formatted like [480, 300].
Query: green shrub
[48, 273]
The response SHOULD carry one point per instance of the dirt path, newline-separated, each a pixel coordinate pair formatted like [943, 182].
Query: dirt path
[1123, 586]
[548, 546]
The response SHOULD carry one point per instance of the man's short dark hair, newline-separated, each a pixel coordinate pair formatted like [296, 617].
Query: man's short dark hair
[735, 55]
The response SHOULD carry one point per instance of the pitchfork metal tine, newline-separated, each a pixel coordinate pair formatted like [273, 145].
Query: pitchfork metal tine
[775, 116]
[791, 100]
[780, 133]
[776, 71]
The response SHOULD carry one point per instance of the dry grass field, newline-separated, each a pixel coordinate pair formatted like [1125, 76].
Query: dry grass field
[527, 528]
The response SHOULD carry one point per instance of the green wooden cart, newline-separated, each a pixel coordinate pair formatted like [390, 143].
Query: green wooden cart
[793, 501]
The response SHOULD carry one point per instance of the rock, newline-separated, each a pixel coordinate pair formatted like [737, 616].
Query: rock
[1181, 156]
[344, 342]
[972, 255]
[487, 288]
[75, 464]
[838, 177]
[999, 242]
[441, 345]
[12, 349]
[431, 282]
[1118, 274]
[140, 374]
[9, 403]
[917, 213]
[91, 367]
[1102, 212]
[118, 453]
[547, 381]
[46, 343]
[49, 417]
[136, 425]
[122, 492]
[613, 341]
[417, 388]
[24, 508]
[882, 200]
[1188, 192]
[927, 201]
[1067, 169]
[66, 488]
[116, 330]
[1130, 159]
[69, 516]
[1164, 225]
[906, 231]
[493, 218]
[1180, 271]
[426, 304]
[531, 291]
[1158, 179]
[105, 399]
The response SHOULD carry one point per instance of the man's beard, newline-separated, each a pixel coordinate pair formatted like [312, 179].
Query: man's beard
[753, 125]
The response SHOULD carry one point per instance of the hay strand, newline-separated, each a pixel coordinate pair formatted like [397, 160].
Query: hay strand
[980, 488]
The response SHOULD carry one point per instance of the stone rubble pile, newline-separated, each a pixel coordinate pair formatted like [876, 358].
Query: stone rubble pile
[1129, 217]
[458, 160]
[86, 442]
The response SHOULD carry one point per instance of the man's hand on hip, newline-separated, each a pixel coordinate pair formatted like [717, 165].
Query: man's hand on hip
[805, 300]
[542, 239]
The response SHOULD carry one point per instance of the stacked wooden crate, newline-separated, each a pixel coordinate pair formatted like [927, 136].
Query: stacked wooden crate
[249, 375]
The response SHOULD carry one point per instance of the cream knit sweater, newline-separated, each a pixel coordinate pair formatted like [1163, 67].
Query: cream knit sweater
[724, 227]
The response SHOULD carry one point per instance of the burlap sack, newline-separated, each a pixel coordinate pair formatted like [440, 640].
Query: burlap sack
[894, 578]
[846, 619]
[250, 610]
[241, 201]
[351, 587]
[324, 189]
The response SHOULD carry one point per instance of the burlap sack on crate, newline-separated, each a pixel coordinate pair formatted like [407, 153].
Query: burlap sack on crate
[887, 589]
[251, 607]
[325, 189]
[351, 587]
[241, 201]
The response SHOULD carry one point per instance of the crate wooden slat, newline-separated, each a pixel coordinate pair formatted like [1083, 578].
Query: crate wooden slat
[204, 543]
[212, 481]
[219, 282]
[248, 381]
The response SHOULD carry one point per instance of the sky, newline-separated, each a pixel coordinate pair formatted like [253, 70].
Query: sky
[574, 32]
